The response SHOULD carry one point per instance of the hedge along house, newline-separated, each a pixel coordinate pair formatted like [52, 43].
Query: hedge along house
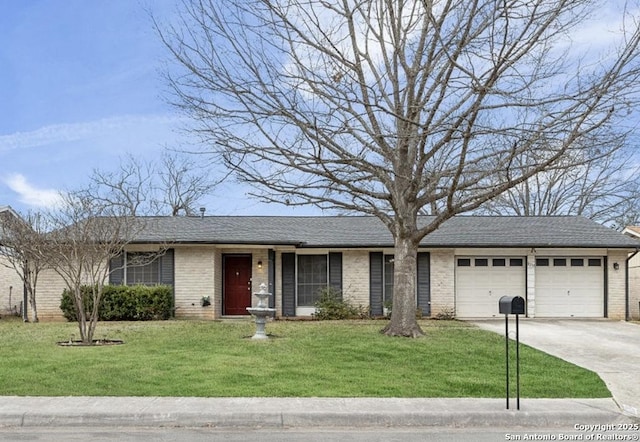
[563, 266]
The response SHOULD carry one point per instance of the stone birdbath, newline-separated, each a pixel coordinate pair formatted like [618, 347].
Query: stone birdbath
[261, 311]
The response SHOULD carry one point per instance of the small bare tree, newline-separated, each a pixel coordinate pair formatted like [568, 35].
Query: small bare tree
[85, 236]
[22, 244]
[394, 107]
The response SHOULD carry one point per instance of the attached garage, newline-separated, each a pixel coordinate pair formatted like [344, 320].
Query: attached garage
[569, 287]
[482, 280]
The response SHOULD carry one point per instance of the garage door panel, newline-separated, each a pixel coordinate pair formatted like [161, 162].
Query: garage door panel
[479, 287]
[575, 289]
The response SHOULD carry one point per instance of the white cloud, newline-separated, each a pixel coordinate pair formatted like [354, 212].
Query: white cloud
[31, 195]
[66, 133]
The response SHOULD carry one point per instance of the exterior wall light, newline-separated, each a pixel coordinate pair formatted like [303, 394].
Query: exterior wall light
[616, 266]
[260, 265]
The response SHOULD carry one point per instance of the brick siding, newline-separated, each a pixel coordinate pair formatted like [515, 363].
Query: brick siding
[11, 289]
[442, 281]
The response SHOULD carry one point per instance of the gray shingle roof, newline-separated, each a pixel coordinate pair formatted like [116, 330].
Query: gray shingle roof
[364, 231]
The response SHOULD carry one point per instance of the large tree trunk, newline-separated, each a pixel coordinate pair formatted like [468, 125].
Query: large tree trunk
[403, 313]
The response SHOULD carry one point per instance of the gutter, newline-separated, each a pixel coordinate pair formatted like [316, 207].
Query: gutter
[627, 310]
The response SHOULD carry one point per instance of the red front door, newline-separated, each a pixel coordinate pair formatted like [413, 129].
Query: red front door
[237, 284]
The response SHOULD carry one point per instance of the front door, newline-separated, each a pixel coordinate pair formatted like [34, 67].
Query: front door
[236, 284]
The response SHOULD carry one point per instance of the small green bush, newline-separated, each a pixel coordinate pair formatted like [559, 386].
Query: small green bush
[446, 314]
[124, 303]
[67, 305]
[330, 306]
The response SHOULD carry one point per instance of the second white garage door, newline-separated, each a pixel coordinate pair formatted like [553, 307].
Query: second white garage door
[482, 281]
[569, 287]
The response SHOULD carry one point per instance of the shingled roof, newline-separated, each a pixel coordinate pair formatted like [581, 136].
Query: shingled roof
[364, 231]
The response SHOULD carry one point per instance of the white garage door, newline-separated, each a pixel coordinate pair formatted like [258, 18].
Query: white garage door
[569, 286]
[482, 281]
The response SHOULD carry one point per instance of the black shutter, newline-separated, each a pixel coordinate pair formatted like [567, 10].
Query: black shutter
[288, 284]
[335, 271]
[116, 270]
[424, 284]
[271, 270]
[167, 268]
[375, 283]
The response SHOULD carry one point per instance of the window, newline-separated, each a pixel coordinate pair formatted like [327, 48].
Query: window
[388, 279]
[482, 262]
[312, 278]
[594, 262]
[499, 262]
[464, 262]
[516, 262]
[145, 268]
[542, 262]
[559, 262]
[577, 262]
[142, 268]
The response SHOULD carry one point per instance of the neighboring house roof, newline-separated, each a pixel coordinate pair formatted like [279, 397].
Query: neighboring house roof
[633, 231]
[5, 212]
[366, 231]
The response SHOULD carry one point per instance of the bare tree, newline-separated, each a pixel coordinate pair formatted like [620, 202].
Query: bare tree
[629, 214]
[22, 244]
[128, 189]
[85, 235]
[174, 185]
[392, 107]
[182, 183]
[601, 188]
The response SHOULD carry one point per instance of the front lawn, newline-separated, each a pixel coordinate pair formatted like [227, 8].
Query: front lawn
[326, 359]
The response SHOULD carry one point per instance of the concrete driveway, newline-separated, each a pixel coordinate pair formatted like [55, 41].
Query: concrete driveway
[609, 348]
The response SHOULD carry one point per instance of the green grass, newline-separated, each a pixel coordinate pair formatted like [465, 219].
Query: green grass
[305, 359]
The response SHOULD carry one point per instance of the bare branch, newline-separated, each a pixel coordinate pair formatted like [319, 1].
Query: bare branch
[24, 249]
[394, 108]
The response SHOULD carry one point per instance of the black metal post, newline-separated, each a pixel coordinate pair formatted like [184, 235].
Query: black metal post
[25, 295]
[506, 340]
[517, 363]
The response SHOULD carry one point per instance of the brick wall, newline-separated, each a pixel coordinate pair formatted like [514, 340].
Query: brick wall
[194, 279]
[216, 299]
[531, 285]
[634, 286]
[48, 296]
[355, 277]
[617, 296]
[442, 281]
[11, 289]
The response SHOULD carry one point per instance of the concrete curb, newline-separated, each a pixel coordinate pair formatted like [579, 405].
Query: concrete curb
[304, 412]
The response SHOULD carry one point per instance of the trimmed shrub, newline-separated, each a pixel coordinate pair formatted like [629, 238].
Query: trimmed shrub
[124, 303]
[330, 306]
[67, 305]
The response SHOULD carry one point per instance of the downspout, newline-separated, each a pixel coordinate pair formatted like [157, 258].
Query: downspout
[25, 294]
[627, 312]
[25, 303]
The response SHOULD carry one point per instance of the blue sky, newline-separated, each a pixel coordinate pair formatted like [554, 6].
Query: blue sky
[80, 87]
